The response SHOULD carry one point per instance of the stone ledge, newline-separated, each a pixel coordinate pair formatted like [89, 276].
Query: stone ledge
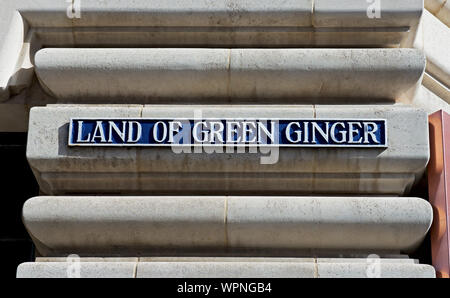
[271, 269]
[397, 259]
[230, 75]
[430, 101]
[142, 225]
[225, 270]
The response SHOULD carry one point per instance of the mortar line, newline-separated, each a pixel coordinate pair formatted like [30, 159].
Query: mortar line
[135, 268]
[316, 268]
[225, 221]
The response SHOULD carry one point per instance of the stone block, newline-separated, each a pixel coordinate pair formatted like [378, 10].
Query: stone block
[231, 75]
[123, 225]
[128, 226]
[357, 13]
[61, 169]
[371, 270]
[326, 223]
[267, 268]
[430, 101]
[87, 259]
[237, 13]
[412, 125]
[434, 39]
[228, 259]
[370, 259]
[225, 270]
[236, 23]
[127, 73]
[397, 259]
[348, 74]
[440, 8]
[437, 87]
[74, 270]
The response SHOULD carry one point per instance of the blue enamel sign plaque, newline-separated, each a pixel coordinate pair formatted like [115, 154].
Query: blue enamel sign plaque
[228, 132]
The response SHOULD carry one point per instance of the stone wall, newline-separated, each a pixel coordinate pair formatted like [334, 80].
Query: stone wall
[152, 212]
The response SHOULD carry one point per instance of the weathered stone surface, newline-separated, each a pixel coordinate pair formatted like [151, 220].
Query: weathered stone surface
[440, 8]
[189, 259]
[239, 13]
[140, 225]
[434, 6]
[199, 13]
[436, 87]
[243, 23]
[397, 259]
[68, 270]
[434, 39]
[129, 73]
[257, 75]
[393, 170]
[368, 260]
[225, 270]
[267, 268]
[354, 270]
[409, 149]
[325, 223]
[357, 13]
[125, 224]
[444, 14]
[429, 101]
[91, 259]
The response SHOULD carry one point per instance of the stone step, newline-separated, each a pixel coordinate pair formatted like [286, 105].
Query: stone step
[224, 75]
[345, 268]
[61, 169]
[127, 225]
[396, 259]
